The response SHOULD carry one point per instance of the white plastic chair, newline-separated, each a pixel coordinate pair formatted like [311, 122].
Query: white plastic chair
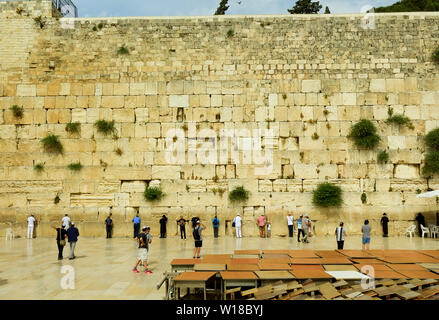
[424, 230]
[9, 234]
[411, 231]
[434, 231]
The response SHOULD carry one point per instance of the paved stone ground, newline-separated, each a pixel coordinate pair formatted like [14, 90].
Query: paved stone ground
[29, 269]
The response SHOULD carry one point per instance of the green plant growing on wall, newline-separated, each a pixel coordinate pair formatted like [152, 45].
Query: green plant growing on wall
[17, 112]
[76, 167]
[399, 119]
[119, 152]
[431, 159]
[383, 157]
[19, 11]
[327, 195]
[435, 56]
[153, 194]
[52, 144]
[239, 194]
[73, 127]
[431, 163]
[418, 191]
[364, 135]
[230, 33]
[363, 198]
[39, 167]
[124, 51]
[57, 199]
[105, 127]
[315, 136]
[432, 139]
[39, 21]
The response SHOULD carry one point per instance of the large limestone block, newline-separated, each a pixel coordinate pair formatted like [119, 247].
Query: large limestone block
[113, 102]
[305, 171]
[180, 101]
[166, 172]
[395, 85]
[311, 85]
[26, 90]
[396, 142]
[403, 171]
[378, 85]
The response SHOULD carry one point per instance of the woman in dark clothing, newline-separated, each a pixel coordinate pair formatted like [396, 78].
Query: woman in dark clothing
[163, 222]
[385, 224]
[61, 234]
[421, 220]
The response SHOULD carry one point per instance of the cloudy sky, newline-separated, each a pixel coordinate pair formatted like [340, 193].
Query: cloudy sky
[119, 8]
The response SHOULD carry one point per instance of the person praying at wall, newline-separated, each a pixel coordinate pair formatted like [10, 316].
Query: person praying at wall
[163, 222]
[385, 224]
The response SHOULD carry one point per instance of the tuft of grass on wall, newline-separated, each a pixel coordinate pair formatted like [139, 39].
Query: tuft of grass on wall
[73, 127]
[76, 167]
[383, 157]
[364, 134]
[52, 144]
[124, 51]
[17, 111]
[105, 127]
[230, 33]
[39, 167]
[327, 195]
[239, 194]
[435, 56]
[153, 194]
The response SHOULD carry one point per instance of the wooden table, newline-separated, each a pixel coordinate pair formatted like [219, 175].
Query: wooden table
[267, 265]
[307, 261]
[183, 264]
[356, 253]
[270, 276]
[340, 267]
[258, 252]
[244, 261]
[209, 267]
[302, 254]
[310, 274]
[242, 267]
[238, 279]
[192, 280]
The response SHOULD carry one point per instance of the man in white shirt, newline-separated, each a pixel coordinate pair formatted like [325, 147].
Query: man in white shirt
[290, 222]
[66, 221]
[238, 225]
[30, 226]
[340, 233]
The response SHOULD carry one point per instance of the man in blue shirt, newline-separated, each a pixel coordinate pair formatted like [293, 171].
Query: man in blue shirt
[215, 223]
[136, 221]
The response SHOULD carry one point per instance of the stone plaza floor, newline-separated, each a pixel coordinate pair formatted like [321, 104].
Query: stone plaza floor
[29, 269]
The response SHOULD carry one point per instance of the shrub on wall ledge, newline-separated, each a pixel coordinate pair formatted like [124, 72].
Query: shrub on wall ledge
[431, 163]
[327, 195]
[39, 167]
[431, 160]
[105, 127]
[152, 194]
[239, 194]
[383, 157]
[75, 167]
[73, 127]
[435, 56]
[17, 112]
[52, 145]
[364, 134]
[399, 120]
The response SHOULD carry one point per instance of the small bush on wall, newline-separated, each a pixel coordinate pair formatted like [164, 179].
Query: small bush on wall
[73, 127]
[239, 194]
[152, 194]
[75, 167]
[105, 127]
[327, 195]
[17, 112]
[39, 167]
[399, 119]
[431, 160]
[383, 157]
[435, 56]
[364, 135]
[52, 145]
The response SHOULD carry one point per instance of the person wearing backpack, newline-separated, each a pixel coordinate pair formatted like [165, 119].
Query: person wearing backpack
[144, 239]
[215, 223]
[198, 238]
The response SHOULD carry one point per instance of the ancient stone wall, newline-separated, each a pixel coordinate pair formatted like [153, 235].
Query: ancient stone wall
[305, 78]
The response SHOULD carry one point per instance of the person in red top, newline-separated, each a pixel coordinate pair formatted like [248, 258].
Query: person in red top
[261, 221]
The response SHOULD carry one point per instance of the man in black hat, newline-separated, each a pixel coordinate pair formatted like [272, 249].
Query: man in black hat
[385, 224]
